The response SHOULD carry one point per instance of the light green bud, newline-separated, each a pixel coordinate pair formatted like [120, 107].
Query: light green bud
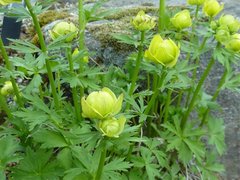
[64, 28]
[6, 2]
[182, 19]
[101, 104]
[222, 34]
[165, 52]
[229, 21]
[143, 22]
[112, 127]
[234, 43]
[212, 7]
[196, 2]
[7, 88]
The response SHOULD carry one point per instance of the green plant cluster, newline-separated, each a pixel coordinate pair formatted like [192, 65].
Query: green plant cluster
[150, 119]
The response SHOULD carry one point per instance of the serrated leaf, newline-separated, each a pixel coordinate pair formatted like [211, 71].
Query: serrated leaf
[36, 165]
[117, 164]
[49, 139]
[33, 118]
[216, 134]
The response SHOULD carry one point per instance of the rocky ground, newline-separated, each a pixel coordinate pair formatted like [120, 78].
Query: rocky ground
[98, 40]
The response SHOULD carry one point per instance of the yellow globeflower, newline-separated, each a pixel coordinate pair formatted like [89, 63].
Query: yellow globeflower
[234, 43]
[196, 2]
[6, 2]
[7, 88]
[64, 28]
[222, 34]
[165, 52]
[182, 19]
[212, 7]
[101, 104]
[143, 22]
[229, 21]
[112, 127]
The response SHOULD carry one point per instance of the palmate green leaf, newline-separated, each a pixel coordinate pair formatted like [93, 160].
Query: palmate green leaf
[65, 158]
[37, 165]
[24, 46]
[127, 39]
[34, 84]
[216, 134]
[8, 148]
[117, 164]
[152, 169]
[232, 82]
[32, 117]
[196, 147]
[49, 139]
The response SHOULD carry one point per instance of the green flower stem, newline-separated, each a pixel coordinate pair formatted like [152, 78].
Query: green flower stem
[9, 67]
[101, 163]
[195, 94]
[155, 93]
[137, 67]
[215, 95]
[44, 50]
[82, 24]
[74, 89]
[4, 106]
[179, 99]
[168, 102]
[195, 70]
[161, 16]
[196, 12]
[198, 58]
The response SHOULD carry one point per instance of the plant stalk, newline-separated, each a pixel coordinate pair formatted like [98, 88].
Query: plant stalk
[137, 67]
[44, 50]
[74, 89]
[4, 106]
[9, 67]
[168, 102]
[215, 95]
[101, 163]
[161, 16]
[82, 24]
[195, 94]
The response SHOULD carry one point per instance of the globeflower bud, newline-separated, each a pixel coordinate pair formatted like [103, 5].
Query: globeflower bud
[64, 28]
[182, 19]
[214, 25]
[7, 88]
[6, 2]
[196, 2]
[234, 43]
[212, 7]
[165, 52]
[143, 22]
[222, 34]
[76, 52]
[101, 104]
[112, 127]
[229, 21]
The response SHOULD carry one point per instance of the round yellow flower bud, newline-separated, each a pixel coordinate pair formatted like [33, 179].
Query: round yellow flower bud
[196, 2]
[212, 7]
[112, 127]
[182, 19]
[143, 22]
[222, 34]
[101, 104]
[165, 52]
[229, 21]
[234, 43]
[6, 2]
[76, 52]
[64, 28]
[7, 88]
